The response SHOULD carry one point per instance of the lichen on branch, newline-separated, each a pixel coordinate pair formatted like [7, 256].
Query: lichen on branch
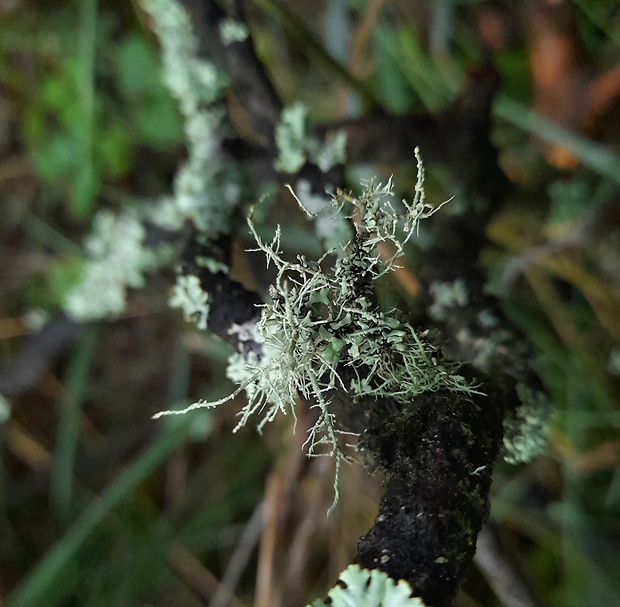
[206, 188]
[322, 332]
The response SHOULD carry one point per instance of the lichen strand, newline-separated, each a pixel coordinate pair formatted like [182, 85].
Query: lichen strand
[439, 453]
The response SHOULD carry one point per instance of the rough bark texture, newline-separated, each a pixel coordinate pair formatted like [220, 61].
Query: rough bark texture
[439, 454]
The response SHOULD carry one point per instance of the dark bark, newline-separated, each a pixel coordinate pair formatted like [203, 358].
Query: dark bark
[438, 453]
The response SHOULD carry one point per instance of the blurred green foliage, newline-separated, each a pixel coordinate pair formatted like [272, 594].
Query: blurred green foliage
[130, 107]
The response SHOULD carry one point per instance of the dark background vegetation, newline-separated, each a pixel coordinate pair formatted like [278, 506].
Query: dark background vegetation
[101, 506]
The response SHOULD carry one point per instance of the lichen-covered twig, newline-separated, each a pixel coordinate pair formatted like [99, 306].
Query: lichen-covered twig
[322, 324]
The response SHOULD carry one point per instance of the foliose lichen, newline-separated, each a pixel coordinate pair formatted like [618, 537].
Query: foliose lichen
[332, 227]
[233, 31]
[447, 296]
[296, 145]
[116, 259]
[369, 588]
[189, 296]
[525, 431]
[206, 188]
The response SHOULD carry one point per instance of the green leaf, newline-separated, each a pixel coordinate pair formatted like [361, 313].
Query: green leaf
[58, 158]
[158, 121]
[116, 152]
[138, 67]
[392, 86]
[85, 188]
[151, 109]
[63, 276]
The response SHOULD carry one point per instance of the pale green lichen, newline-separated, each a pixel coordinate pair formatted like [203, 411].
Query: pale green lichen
[320, 322]
[447, 296]
[116, 259]
[614, 361]
[291, 138]
[188, 295]
[191, 80]
[330, 152]
[487, 320]
[5, 409]
[233, 31]
[359, 587]
[332, 227]
[205, 189]
[165, 213]
[35, 319]
[296, 145]
[525, 432]
[212, 265]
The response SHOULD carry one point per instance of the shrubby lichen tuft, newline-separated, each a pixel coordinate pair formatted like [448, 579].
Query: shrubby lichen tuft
[332, 227]
[323, 325]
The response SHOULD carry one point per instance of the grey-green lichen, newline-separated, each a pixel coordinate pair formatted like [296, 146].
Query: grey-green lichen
[447, 296]
[5, 409]
[525, 432]
[233, 31]
[332, 227]
[188, 295]
[322, 322]
[116, 259]
[205, 190]
[614, 361]
[296, 145]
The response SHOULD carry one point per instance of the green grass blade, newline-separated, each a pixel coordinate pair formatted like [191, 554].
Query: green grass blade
[69, 425]
[84, 184]
[32, 591]
[307, 40]
[592, 155]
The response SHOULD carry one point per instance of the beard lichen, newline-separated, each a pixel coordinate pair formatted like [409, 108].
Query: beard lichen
[323, 325]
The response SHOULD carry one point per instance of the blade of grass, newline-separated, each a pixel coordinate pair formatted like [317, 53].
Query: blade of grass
[601, 15]
[307, 40]
[31, 592]
[83, 192]
[433, 85]
[592, 155]
[572, 516]
[46, 235]
[69, 424]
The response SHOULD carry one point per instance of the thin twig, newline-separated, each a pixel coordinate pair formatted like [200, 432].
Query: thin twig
[241, 557]
[507, 581]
